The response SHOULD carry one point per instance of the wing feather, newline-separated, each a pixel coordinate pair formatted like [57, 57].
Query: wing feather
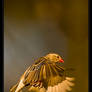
[64, 86]
[50, 76]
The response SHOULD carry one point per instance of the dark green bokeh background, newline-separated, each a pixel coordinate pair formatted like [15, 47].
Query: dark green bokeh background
[33, 28]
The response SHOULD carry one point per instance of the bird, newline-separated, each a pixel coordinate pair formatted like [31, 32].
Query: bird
[46, 74]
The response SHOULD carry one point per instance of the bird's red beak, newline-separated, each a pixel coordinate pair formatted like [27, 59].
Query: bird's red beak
[61, 60]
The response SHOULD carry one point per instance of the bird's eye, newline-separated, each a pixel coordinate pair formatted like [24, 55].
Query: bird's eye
[57, 56]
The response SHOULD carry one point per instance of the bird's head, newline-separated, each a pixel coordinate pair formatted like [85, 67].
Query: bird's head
[54, 57]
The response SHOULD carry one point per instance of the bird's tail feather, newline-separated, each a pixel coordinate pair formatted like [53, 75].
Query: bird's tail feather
[17, 87]
[20, 86]
[13, 88]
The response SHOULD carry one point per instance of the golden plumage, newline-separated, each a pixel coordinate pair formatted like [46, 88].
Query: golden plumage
[46, 75]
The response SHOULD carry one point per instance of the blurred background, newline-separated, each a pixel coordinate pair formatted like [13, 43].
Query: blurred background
[33, 28]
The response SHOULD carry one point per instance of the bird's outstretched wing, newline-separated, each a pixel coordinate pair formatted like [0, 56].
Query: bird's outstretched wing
[31, 77]
[45, 75]
[59, 81]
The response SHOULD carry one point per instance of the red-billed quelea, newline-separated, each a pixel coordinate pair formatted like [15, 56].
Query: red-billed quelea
[46, 75]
